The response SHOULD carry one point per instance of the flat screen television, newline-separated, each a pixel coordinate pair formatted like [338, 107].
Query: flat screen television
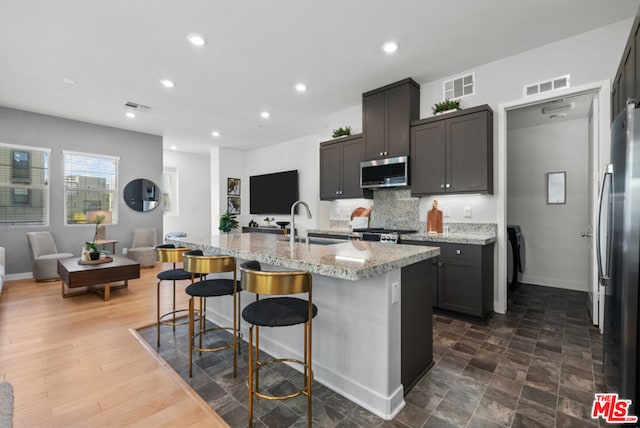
[273, 193]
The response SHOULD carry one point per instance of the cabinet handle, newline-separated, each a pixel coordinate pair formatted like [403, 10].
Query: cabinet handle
[458, 252]
[337, 192]
[448, 185]
[440, 264]
[381, 153]
[386, 153]
[442, 186]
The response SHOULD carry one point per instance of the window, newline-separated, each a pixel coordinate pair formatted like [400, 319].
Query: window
[91, 184]
[24, 186]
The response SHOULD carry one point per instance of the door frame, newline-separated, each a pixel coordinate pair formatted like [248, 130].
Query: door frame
[601, 148]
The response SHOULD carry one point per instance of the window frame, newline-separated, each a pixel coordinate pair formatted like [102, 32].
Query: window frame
[14, 183]
[96, 157]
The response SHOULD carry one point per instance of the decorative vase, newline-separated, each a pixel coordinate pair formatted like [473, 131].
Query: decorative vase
[94, 256]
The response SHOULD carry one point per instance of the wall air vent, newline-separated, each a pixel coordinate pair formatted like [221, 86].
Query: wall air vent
[548, 85]
[459, 87]
[137, 107]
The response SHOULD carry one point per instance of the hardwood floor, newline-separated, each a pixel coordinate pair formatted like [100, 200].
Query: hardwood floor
[78, 362]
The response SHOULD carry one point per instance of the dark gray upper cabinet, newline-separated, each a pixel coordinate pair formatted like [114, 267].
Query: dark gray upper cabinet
[340, 168]
[453, 153]
[387, 114]
[626, 83]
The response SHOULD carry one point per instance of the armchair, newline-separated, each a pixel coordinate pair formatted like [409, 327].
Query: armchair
[142, 247]
[45, 256]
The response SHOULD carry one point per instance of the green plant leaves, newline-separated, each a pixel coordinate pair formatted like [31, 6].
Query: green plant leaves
[342, 131]
[227, 222]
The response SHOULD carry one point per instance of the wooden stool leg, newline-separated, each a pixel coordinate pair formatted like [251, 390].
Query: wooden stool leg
[307, 371]
[235, 336]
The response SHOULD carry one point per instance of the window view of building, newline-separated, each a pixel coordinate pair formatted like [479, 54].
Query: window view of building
[90, 185]
[24, 186]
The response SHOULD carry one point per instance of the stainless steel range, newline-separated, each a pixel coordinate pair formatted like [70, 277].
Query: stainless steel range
[387, 236]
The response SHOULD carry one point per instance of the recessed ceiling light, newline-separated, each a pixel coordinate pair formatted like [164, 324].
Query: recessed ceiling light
[301, 87]
[167, 83]
[215, 133]
[265, 114]
[196, 39]
[174, 147]
[390, 47]
[68, 81]
[130, 114]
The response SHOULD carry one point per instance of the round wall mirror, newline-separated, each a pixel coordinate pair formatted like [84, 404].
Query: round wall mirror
[141, 195]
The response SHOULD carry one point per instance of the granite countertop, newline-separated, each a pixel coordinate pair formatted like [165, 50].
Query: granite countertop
[453, 238]
[473, 238]
[350, 260]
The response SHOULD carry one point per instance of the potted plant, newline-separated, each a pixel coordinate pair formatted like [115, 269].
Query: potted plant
[341, 132]
[445, 106]
[94, 254]
[227, 222]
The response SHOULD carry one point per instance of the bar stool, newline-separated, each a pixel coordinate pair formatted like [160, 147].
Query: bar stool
[277, 312]
[197, 263]
[169, 253]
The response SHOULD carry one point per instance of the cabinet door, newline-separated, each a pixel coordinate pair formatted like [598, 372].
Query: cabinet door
[352, 155]
[428, 158]
[373, 113]
[397, 132]
[459, 279]
[636, 57]
[628, 65]
[330, 170]
[467, 154]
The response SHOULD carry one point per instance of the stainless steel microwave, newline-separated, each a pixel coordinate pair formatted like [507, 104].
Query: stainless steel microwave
[391, 172]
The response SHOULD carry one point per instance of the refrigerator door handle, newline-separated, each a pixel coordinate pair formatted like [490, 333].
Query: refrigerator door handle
[602, 274]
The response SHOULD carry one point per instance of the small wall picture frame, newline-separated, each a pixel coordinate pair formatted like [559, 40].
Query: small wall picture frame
[556, 188]
[233, 187]
[233, 204]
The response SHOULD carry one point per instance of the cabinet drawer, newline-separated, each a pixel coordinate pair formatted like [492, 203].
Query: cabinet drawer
[459, 251]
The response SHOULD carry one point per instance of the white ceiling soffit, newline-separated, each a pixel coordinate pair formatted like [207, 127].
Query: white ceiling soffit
[255, 53]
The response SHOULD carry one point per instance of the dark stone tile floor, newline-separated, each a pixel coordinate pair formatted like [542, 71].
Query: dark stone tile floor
[537, 366]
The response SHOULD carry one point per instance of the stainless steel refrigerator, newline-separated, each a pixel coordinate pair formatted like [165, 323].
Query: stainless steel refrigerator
[618, 249]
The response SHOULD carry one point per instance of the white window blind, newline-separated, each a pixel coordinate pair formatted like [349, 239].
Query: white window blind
[91, 184]
[24, 186]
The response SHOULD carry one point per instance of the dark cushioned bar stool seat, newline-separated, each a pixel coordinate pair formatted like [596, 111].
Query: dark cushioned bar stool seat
[169, 253]
[277, 312]
[195, 262]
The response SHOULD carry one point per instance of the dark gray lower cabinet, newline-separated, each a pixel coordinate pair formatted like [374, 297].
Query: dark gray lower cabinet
[416, 334]
[465, 278]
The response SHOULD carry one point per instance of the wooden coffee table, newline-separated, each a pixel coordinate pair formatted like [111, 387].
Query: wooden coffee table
[75, 275]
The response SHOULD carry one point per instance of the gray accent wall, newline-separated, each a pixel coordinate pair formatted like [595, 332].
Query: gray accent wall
[140, 157]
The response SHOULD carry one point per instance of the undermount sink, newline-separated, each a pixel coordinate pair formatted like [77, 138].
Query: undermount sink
[314, 241]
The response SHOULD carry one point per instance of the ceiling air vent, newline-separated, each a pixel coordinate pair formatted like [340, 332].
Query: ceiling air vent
[548, 85]
[137, 107]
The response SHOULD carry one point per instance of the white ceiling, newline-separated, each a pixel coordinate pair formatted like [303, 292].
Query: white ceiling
[256, 52]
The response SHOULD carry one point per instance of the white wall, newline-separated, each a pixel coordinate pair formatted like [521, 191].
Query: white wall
[194, 197]
[588, 57]
[556, 255]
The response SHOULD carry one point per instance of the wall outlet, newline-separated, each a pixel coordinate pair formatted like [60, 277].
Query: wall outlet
[446, 211]
[124, 251]
[395, 292]
[467, 211]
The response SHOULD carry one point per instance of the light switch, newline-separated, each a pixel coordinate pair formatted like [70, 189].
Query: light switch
[467, 211]
[446, 211]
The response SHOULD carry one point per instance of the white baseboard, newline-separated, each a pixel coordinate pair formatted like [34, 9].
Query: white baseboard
[553, 282]
[24, 275]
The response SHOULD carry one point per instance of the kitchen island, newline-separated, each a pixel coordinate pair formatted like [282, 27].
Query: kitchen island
[372, 337]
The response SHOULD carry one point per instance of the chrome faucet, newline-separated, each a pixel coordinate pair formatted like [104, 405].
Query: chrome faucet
[292, 238]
